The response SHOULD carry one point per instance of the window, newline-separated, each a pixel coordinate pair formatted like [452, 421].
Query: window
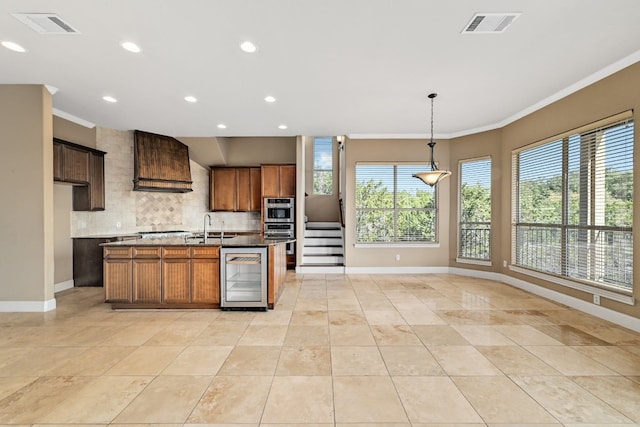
[392, 206]
[323, 165]
[573, 205]
[475, 210]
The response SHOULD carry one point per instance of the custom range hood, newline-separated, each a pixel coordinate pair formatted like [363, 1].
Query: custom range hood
[161, 163]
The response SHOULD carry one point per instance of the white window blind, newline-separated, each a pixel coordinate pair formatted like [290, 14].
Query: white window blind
[323, 165]
[573, 205]
[392, 206]
[474, 228]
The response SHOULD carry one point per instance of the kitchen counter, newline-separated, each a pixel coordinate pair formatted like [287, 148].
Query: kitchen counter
[235, 241]
[181, 272]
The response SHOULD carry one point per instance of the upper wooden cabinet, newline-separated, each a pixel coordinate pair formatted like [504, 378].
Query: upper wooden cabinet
[235, 189]
[70, 163]
[84, 168]
[278, 180]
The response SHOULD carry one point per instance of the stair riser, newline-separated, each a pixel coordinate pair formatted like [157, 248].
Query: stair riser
[322, 241]
[322, 233]
[322, 251]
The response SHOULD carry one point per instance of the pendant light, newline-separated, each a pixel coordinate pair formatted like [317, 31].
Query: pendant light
[435, 175]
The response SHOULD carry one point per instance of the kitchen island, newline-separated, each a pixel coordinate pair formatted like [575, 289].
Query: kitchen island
[180, 272]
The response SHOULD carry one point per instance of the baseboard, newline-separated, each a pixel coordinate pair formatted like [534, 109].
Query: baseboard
[27, 306]
[63, 286]
[396, 270]
[613, 316]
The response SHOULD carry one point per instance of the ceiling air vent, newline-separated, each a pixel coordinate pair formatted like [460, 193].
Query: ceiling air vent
[46, 23]
[489, 23]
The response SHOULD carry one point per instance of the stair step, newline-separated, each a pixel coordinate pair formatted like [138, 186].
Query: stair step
[322, 250]
[322, 259]
[322, 225]
[322, 233]
[323, 241]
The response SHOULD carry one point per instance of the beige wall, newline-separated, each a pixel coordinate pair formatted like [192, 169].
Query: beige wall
[62, 246]
[485, 144]
[323, 208]
[605, 98]
[253, 151]
[63, 200]
[26, 188]
[367, 150]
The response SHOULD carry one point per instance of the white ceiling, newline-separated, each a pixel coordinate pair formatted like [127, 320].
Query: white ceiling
[355, 67]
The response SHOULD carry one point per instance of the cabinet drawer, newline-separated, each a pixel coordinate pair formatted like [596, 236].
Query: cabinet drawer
[175, 252]
[205, 252]
[117, 253]
[144, 252]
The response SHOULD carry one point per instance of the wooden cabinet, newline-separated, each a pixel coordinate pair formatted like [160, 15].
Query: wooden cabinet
[278, 180]
[168, 276]
[118, 280]
[91, 197]
[176, 275]
[235, 189]
[82, 167]
[205, 275]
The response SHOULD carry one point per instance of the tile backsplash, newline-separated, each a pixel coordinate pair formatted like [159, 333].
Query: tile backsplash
[129, 211]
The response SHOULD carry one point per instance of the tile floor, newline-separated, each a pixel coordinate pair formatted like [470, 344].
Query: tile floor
[351, 351]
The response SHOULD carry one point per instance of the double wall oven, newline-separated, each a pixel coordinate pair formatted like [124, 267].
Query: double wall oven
[279, 219]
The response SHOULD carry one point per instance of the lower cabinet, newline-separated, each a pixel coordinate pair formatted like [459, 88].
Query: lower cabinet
[162, 276]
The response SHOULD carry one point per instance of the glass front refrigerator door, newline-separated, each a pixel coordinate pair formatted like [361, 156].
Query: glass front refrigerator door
[244, 277]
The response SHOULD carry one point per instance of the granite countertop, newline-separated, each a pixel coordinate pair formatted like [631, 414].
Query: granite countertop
[237, 241]
[138, 235]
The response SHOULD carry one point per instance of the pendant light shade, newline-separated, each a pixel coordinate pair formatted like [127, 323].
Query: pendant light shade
[435, 175]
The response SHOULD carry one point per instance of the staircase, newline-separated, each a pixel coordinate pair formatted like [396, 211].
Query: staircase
[323, 250]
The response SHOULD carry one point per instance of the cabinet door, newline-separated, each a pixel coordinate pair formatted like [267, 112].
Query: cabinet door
[205, 280]
[75, 165]
[58, 157]
[118, 280]
[288, 181]
[223, 189]
[176, 277]
[270, 180]
[255, 195]
[146, 280]
[243, 190]
[91, 197]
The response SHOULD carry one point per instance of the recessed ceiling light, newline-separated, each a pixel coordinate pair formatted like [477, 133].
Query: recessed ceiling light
[283, 127]
[248, 47]
[13, 46]
[109, 98]
[190, 98]
[270, 99]
[222, 126]
[131, 47]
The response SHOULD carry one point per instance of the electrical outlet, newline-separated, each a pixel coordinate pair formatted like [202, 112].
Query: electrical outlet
[504, 263]
[596, 299]
[397, 257]
[118, 224]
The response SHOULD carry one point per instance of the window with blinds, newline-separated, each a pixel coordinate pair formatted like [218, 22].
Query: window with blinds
[392, 206]
[323, 165]
[573, 205]
[474, 228]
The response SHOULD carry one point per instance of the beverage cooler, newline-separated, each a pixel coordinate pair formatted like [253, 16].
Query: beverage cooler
[243, 278]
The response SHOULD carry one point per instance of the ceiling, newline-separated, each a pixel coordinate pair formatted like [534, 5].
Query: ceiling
[357, 67]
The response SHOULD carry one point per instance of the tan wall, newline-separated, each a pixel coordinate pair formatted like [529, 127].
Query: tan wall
[255, 151]
[62, 246]
[320, 207]
[605, 98]
[63, 201]
[365, 150]
[471, 147]
[26, 188]
[73, 132]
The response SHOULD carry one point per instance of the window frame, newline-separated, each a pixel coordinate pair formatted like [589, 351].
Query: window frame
[435, 243]
[329, 171]
[459, 257]
[612, 291]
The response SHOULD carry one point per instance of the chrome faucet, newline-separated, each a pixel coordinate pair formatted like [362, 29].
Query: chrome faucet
[221, 231]
[206, 217]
